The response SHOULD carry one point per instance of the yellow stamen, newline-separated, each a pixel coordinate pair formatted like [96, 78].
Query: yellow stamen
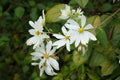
[46, 55]
[37, 32]
[43, 64]
[81, 30]
[67, 37]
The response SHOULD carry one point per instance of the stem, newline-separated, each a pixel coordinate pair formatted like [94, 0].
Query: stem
[60, 50]
[110, 16]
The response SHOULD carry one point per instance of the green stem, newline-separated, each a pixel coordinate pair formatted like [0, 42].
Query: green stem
[60, 50]
[110, 16]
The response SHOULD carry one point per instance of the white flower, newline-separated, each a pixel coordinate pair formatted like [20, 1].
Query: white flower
[47, 63]
[80, 32]
[63, 39]
[65, 13]
[77, 12]
[37, 32]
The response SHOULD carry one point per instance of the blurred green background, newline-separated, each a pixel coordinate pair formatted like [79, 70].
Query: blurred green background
[15, 59]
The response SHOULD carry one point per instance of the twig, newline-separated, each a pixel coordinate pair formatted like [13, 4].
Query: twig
[110, 16]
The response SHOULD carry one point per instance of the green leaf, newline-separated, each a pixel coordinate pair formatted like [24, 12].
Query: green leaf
[92, 75]
[19, 12]
[33, 14]
[106, 7]
[94, 20]
[102, 37]
[32, 2]
[96, 59]
[108, 67]
[25, 68]
[53, 13]
[82, 3]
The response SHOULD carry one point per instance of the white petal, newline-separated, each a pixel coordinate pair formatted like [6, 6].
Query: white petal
[54, 63]
[83, 20]
[58, 36]
[84, 39]
[91, 36]
[31, 40]
[49, 70]
[32, 31]
[34, 63]
[40, 49]
[59, 43]
[41, 63]
[52, 51]
[68, 45]
[67, 7]
[89, 26]
[79, 48]
[48, 46]
[42, 70]
[37, 54]
[32, 24]
[77, 42]
[36, 44]
[83, 50]
[44, 35]
[64, 30]
[43, 15]
[71, 24]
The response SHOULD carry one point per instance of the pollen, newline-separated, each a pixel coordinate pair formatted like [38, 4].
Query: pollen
[81, 30]
[46, 55]
[37, 32]
[67, 37]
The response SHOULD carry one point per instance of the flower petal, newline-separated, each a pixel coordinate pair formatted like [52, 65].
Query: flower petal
[48, 46]
[71, 24]
[64, 30]
[83, 20]
[32, 31]
[34, 63]
[78, 39]
[41, 71]
[58, 36]
[37, 54]
[31, 40]
[54, 63]
[91, 36]
[52, 51]
[32, 24]
[49, 70]
[68, 45]
[85, 38]
[89, 26]
[59, 43]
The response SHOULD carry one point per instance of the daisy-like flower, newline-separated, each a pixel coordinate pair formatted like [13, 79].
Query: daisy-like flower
[63, 39]
[47, 62]
[80, 33]
[65, 13]
[77, 12]
[37, 32]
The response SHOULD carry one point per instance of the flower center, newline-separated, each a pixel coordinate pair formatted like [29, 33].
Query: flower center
[37, 33]
[46, 55]
[81, 30]
[43, 64]
[67, 37]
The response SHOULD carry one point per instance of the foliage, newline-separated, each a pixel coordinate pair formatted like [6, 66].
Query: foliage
[100, 62]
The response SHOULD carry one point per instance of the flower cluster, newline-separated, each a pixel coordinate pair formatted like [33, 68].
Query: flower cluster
[75, 30]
